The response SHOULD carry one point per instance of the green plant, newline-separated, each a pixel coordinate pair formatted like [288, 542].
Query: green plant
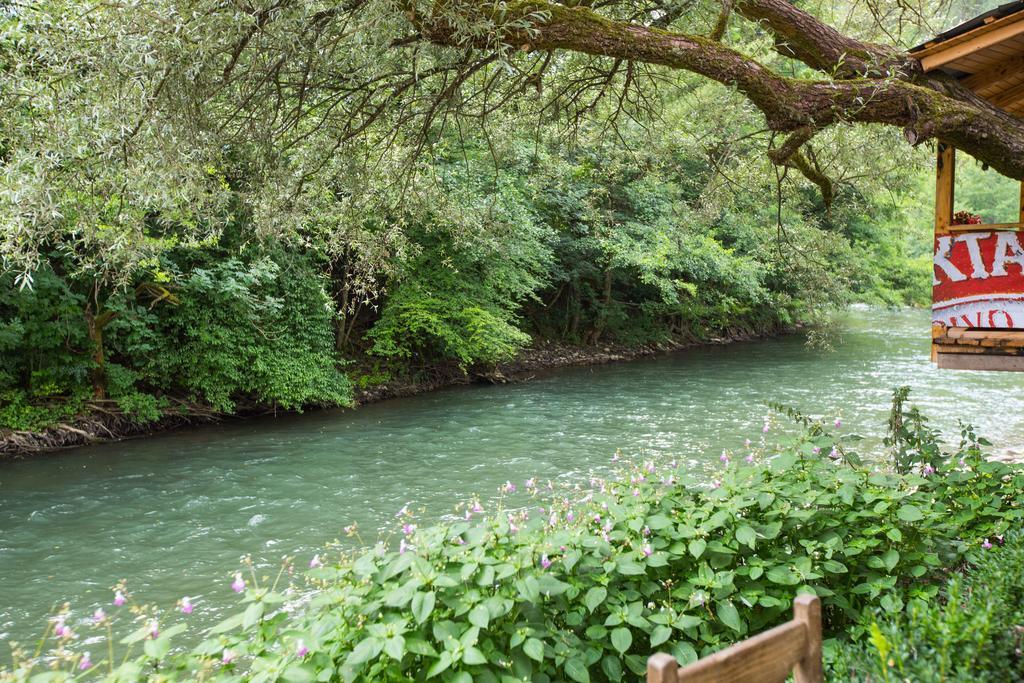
[585, 588]
[974, 632]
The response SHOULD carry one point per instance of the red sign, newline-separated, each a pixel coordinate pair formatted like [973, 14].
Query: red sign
[979, 280]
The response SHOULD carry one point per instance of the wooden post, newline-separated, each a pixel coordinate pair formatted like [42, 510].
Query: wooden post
[807, 610]
[1022, 201]
[662, 668]
[945, 177]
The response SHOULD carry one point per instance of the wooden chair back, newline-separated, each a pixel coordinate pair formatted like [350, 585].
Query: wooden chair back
[769, 657]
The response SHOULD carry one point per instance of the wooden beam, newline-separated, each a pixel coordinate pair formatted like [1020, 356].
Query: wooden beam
[983, 227]
[973, 361]
[945, 176]
[1008, 97]
[1022, 201]
[971, 42]
[995, 74]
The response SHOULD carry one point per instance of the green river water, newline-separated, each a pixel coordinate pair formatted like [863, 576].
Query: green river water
[174, 513]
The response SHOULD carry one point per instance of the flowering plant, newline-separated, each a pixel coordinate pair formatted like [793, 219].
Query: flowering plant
[584, 582]
[966, 218]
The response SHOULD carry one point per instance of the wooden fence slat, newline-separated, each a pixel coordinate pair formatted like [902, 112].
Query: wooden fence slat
[769, 657]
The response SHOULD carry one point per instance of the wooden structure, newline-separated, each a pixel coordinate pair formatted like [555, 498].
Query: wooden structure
[770, 657]
[978, 294]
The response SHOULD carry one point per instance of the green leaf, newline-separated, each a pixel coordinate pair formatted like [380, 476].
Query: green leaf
[479, 616]
[594, 597]
[367, 649]
[473, 656]
[746, 536]
[910, 513]
[442, 663]
[422, 606]
[890, 558]
[395, 648]
[534, 649]
[697, 547]
[730, 617]
[253, 613]
[622, 638]
[660, 634]
[658, 522]
[577, 670]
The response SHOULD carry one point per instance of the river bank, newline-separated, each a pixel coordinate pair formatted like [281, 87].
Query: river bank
[106, 423]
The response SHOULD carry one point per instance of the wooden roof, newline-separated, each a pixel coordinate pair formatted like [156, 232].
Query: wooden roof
[986, 53]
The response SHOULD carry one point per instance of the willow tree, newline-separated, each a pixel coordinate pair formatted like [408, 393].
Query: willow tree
[118, 117]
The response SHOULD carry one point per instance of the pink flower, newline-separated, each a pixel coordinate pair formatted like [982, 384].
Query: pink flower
[228, 656]
[86, 663]
[834, 453]
[315, 562]
[646, 550]
[350, 530]
[408, 529]
[765, 429]
[750, 459]
[724, 458]
[458, 540]
[715, 484]
[186, 605]
[986, 545]
[60, 629]
[816, 450]
[509, 487]
[98, 616]
[553, 519]
[477, 507]
[746, 443]
[544, 561]
[531, 483]
[571, 516]
[615, 458]
[928, 470]
[300, 649]
[838, 423]
[403, 512]
[636, 492]
[238, 585]
[119, 598]
[650, 467]
[154, 629]
[597, 518]
[646, 531]
[403, 546]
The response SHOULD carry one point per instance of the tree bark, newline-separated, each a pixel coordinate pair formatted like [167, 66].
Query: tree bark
[866, 83]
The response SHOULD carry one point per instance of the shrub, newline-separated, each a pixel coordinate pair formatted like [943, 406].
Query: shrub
[604, 575]
[973, 634]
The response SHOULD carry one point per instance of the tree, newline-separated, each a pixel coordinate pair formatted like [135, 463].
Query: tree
[164, 108]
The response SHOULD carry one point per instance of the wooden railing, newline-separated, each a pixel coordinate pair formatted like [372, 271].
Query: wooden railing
[769, 657]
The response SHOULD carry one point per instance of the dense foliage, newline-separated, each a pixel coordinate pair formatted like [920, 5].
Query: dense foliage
[586, 242]
[584, 582]
[973, 632]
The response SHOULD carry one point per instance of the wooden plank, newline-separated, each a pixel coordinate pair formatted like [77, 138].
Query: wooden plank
[1021, 201]
[766, 658]
[807, 611]
[1009, 97]
[662, 668]
[982, 227]
[945, 176]
[971, 42]
[993, 75]
[1012, 337]
[957, 361]
[942, 349]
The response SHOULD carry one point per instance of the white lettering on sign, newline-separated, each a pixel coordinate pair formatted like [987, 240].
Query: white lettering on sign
[1008, 250]
[942, 253]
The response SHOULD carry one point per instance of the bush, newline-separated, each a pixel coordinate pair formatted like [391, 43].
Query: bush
[605, 575]
[973, 634]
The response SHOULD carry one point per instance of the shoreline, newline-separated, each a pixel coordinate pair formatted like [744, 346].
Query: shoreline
[104, 425]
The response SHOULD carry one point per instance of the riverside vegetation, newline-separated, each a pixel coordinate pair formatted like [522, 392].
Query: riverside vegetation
[160, 264]
[583, 582]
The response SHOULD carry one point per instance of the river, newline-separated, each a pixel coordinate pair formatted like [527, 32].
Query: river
[174, 513]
